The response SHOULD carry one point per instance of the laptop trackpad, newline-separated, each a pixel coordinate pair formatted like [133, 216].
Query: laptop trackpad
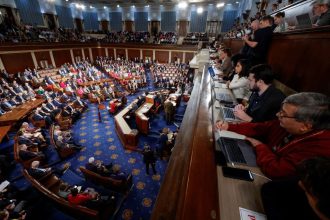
[248, 152]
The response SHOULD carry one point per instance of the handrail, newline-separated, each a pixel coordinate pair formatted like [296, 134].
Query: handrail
[189, 190]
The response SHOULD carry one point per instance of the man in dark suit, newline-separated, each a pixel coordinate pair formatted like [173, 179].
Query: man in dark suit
[5, 105]
[169, 111]
[265, 100]
[36, 172]
[25, 154]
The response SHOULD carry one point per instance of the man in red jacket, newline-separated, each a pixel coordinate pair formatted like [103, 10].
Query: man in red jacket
[301, 132]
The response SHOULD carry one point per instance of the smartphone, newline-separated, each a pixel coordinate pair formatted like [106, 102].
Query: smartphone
[237, 173]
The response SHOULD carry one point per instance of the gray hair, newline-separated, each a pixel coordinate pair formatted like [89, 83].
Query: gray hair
[312, 108]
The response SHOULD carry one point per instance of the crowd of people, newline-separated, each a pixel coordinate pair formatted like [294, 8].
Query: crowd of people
[290, 135]
[278, 22]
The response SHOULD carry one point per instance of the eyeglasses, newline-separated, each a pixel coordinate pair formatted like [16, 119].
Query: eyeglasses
[281, 114]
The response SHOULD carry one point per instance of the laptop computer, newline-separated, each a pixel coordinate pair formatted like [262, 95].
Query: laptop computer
[237, 151]
[228, 114]
[304, 21]
[211, 72]
[224, 98]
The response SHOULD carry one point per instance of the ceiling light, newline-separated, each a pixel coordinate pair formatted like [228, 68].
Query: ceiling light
[237, 2]
[91, 7]
[183, 5]
[118, 6]
[105, 7]
[133, 6]
[219, 5]
[66, 0]
[199, 10]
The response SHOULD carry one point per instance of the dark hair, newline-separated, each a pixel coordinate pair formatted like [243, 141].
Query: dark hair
[280, 14]
[235, 58]
[315, 176]
[268, 18]
[262, 72]
[74, 191]
[245, 67]
[227, 51]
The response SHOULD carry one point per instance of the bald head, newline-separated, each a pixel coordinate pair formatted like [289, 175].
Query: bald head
[255, 25]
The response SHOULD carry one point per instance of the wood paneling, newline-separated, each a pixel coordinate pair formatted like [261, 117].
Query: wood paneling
[43, 55]
[147, 53]
[111, 52]
[97, 52]
[77, 53]
[61, 57]
[17, 62]
[300, 60]
[133, 54]
[189, 56]
[176, 55]
[162, 56]
[129, 26]
[121, 53]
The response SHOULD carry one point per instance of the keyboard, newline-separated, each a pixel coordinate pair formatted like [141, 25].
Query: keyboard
[228, 113]
[234, 152]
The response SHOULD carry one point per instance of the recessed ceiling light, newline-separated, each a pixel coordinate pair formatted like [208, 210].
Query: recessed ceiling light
[105, 7]
[200, 10]
[219, 5]
[237, 2]
[183, 5]
[118, 6]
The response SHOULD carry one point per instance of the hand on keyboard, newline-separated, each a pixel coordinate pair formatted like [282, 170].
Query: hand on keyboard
[221, 125]
[239, 113]
[253, 141]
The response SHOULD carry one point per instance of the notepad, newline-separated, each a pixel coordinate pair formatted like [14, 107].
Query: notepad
[246, 214]
[4, 184]
[230, 134]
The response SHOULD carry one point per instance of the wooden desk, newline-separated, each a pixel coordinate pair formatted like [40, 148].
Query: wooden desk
[3, 131]
[20, 112]
[235, 193]
[128, 136]
[142, 121]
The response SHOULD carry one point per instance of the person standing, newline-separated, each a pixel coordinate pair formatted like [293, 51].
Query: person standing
[149, 159]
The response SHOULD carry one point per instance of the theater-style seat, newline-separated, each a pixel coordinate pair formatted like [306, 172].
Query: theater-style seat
[122, 186]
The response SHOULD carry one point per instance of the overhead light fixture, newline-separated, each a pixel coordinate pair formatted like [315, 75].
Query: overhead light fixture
[199, 10]
[133, 6]
[118, 6]
[219, 5]
[66, 0]
[183, 5]
[80, 6]
[105, 7]
[91, 7]
[237, 2]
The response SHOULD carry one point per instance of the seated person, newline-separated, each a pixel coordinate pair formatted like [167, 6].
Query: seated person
[36, 172]
[98, 167]
[5, 105]
[26, 154]
[61, 143]
[64, 190]
[301, 132]
[265, 100]
[303, 197]
[321, 8]
[239, 84]
[77, 198]
[39, 115]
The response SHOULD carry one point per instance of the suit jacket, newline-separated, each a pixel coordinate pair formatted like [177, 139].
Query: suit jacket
[92, 167]
[264, 107]
[37, 173]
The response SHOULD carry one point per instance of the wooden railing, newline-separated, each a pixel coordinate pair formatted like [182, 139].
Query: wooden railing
[189, 189]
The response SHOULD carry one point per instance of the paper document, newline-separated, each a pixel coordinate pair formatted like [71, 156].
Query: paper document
[4, 184]
[250, 215]
[230, 134]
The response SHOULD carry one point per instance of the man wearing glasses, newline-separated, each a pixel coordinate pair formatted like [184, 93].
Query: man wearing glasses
[301, 132]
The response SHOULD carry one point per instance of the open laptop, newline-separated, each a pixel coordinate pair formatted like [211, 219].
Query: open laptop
[211, 71]
[224, 98]
[304, 21]
[228, 114]
[237, 151]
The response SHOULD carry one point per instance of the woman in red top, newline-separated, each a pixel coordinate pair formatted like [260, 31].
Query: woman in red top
[80, 198]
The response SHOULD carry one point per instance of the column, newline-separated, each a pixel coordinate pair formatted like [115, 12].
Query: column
[34, 60]
[170, 56]
[126, 52]
[91, 55]
[141, 55]
[153, 54]
[106, 52]
[115, 53]
[2, 67]
[52, 58]
[72, 57]
[83, 53]
[184, 57]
